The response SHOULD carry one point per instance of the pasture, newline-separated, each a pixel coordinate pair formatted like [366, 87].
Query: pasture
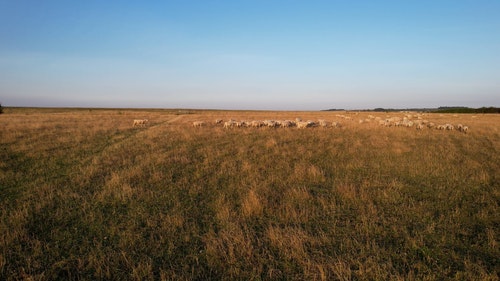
[86, 195]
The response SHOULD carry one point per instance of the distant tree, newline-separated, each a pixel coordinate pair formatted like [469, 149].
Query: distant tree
[462, 109]
[1, 108]
[488, 110]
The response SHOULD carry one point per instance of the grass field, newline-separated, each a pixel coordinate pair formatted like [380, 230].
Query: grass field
[84, 195]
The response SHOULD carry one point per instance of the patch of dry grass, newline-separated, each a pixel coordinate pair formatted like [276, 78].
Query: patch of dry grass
[85, 195]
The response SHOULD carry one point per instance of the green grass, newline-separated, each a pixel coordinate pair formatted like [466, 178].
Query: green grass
[84, 195]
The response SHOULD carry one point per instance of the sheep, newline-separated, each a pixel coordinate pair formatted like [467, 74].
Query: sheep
[198, 123]
[256, 124]
[419, 126]
[302, 124]
[323, 123]
[449, 127]
[270, 123]
[286, 124]
[312, 123]
[140, 122]
[305, 124]
[229, 124]
[462, 128]
[218, 121]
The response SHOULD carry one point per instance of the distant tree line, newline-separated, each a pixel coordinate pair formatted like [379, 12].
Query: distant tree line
[1, 108]
[463, 109]
[334, 109]
[441, 109]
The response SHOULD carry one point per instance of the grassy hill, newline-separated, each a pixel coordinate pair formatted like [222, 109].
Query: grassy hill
[85, 195]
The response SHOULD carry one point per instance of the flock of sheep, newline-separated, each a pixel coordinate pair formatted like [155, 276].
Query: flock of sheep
[271, 123]
[419, 123]
[411, 121]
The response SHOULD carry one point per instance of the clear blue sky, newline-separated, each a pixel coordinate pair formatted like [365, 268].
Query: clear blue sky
[250, 54]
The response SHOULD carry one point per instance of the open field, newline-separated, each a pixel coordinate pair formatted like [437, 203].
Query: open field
[85, 195]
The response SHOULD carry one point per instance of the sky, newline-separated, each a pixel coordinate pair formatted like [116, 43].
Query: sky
[250, 54]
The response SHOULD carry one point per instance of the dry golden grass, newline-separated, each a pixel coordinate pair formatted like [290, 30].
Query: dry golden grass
[85, 195]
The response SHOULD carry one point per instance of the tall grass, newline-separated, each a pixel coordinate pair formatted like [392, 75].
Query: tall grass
[84, 195]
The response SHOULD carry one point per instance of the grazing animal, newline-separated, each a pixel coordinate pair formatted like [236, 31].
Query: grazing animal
[304, 124]
[198, 123]
[441, 127]
[229, 124]
[256, 124]
[270, 123]
[286, 124]
[323, 123]
[140, 122]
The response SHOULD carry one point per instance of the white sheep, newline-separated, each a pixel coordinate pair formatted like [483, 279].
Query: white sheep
[270, 123]
[305, 124]
[286, 124]
[256, 124]
[198, 123]
[140, 122]
[229, 124]
[302, 124]
[323, 123]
